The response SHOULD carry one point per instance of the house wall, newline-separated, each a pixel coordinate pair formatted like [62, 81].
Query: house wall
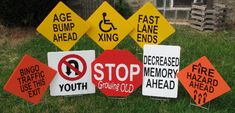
[136, 4]
[231, 11]
[230, 19]
[86, 7]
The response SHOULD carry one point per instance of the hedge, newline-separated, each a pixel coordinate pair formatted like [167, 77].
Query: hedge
[24, 12]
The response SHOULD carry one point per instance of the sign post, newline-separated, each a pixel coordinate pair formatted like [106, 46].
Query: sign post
[202, 81]
[108, 27]
[63, 27]
[74, 72]
[150, 27]
[161, 64]
[30, 79]
[117, 73]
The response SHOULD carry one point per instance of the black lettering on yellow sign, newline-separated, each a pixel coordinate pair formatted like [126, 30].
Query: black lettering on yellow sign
[65, 37]
[62, 17]
[147, 38]
[147, 29]
[63, 28]
[108, 37]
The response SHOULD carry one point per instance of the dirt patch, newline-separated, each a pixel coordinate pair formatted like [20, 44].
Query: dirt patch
[15, 35]
[10, 38]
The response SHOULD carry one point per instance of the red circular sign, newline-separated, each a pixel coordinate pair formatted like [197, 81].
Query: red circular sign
[80, 73]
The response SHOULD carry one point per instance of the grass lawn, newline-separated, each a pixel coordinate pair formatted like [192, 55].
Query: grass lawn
[219, 47]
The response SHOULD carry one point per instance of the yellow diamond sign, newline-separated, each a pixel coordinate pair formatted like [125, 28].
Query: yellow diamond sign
[108, 27]
[150, 27]
[63, 27]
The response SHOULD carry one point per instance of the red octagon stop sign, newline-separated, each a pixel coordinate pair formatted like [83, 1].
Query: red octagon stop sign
[117, 73]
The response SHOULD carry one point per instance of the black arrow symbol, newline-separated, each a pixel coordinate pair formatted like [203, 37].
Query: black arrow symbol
[68, 70]
[195, 94]
[205, 95]
[199, 98]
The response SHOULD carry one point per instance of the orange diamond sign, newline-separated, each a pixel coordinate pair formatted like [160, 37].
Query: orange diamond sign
[30, 79]
[202, 81]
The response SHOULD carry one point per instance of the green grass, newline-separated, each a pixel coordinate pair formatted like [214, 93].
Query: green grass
[219, 47]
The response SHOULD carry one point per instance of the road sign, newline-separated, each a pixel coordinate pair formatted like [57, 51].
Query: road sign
[63, 27]
[74, 72]
[108, 27]
[150, 27]
[117, 73]
[161, 64]
[69, 67]
[202, 81]
[30, 79]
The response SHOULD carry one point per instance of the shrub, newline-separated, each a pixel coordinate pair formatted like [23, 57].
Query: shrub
[123, 8]
[32, 12]
[25, 12]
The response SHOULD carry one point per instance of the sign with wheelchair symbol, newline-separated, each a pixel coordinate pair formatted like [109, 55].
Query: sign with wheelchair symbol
[106, 22]
[108, 27]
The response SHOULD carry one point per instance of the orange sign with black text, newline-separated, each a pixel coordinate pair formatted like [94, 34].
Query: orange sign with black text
[30, 79]
[202, 81]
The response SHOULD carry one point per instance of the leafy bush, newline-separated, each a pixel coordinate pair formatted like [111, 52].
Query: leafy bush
[25, 12]
[32, 12]
[123, 8]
